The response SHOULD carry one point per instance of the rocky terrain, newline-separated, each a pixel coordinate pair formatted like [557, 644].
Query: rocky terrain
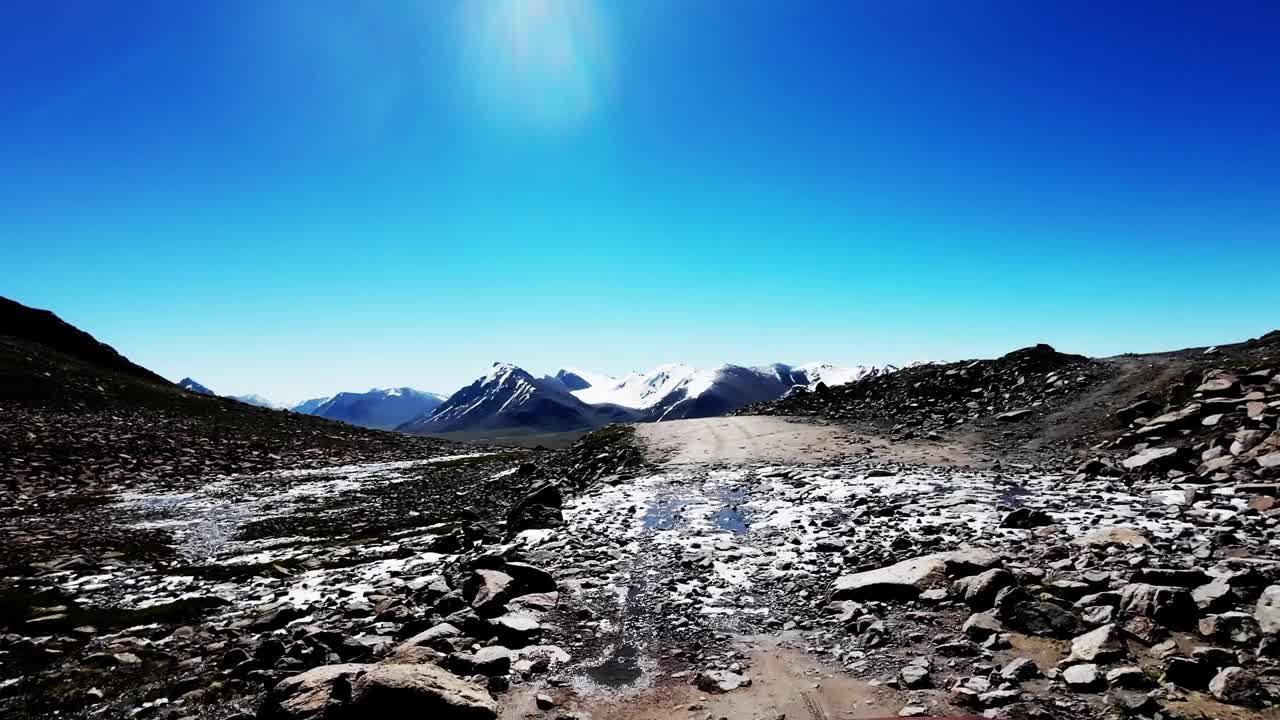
[171, 555]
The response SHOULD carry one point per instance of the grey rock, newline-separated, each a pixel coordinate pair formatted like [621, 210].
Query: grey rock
[1237, 686]
[1099, 645]
[1082, 677]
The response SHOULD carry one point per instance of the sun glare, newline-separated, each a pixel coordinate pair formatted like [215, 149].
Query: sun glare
[543, 62]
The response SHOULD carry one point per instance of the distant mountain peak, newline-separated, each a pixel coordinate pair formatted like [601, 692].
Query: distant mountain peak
[380, 408]
[187, 383]
[508, 398]
[256, 401]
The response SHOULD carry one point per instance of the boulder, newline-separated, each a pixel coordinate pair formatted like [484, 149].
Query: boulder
[1237, 686]
[1166, 604]
[1099, 645]
[530, 578]
[307, 695]
[1082, 677]
[914, 677]
[419, 690]
[1152, 459]
[540, 508]
[434, 637]
[1114, 535]
[901, 581]
[488, 591]
[1026, 518]
[1237, 627]
[1267, 611]
[1020, 669]
[1034, 617]
[979, 591]
[1186, 672]
[981, 625]
[720, 681]
[969, 561]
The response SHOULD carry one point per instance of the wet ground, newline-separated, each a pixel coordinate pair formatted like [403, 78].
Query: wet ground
[678, 569]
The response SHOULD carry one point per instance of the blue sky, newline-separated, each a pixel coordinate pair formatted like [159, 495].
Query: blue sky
[298, 198]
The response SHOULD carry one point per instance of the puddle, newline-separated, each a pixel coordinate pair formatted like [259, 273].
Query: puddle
[1013, 496]
[664, 514]
[731, 517]
[620, 669]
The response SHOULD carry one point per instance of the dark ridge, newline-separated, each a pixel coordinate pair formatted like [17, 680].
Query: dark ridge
[42, 326]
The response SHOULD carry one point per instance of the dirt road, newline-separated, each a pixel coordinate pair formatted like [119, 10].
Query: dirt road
[770, 439]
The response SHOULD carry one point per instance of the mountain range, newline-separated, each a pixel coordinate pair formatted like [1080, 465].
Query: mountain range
[379, 408]
[510, 400]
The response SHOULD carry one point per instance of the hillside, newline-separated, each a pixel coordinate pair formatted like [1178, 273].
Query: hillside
[74, 413]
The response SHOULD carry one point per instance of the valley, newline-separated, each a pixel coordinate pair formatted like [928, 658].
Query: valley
[1034, 536]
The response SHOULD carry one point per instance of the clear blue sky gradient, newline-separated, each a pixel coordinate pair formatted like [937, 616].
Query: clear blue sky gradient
[297, 198]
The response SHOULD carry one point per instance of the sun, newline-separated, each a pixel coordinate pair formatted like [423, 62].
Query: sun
[540, 62]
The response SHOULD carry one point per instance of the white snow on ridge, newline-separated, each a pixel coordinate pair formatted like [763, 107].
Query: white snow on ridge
[641, 391]
[832, 375]
[637, 390]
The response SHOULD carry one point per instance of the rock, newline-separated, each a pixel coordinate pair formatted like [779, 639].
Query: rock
[1144, 629]
[1178, 577]
[1237, 686]
[961, 648]
[720, 681]
[1236, 627]
[1026, 518]
[999, 698]
[969, 561]
[1082, 677]
[530, 578]
[1100, 645]
[540, 508]
[913, 711]
[1220, 384]
[276, 616]
[544, 702]
[488, 591]
[434, 637]
[424, 690]
[1152, 459]
[1165, 604]
[1214, 656]
[1114, 535]
[1040, 618]
[914, 677]
[1128, 676]
[901, 581]
[1213, 596]
[517, 630]
[1020, 669]
[980, 626]
[1014, 415]
[1095, 615]
[1131, 703]
[492, 660]
[979, 591]
[306, 696]
[1267, 611]
[1186, 672]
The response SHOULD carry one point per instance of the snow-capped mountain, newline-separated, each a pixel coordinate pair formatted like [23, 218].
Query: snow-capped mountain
[187, 383]
[307, 407]
[380, 408]
[508, 399]
[256, 400]
[675, 391]
[831, 375]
